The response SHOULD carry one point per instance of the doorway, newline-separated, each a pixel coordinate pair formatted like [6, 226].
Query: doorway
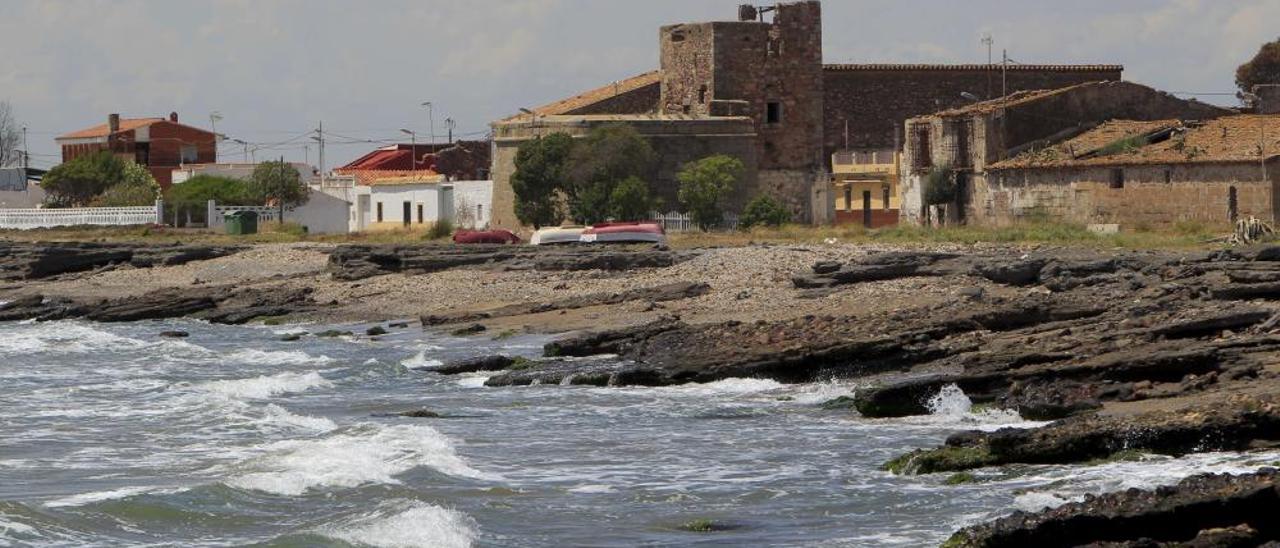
[408, 216]
[866, 208]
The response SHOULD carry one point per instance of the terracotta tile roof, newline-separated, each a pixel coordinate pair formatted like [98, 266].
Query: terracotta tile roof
[1013, 99]
[1088, 143]
[971, 67]
[379, 177]
[100, 130]
[1223, 140]
[586, 98]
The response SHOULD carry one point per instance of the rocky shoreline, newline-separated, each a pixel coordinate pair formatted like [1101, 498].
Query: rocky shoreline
[1157, 351]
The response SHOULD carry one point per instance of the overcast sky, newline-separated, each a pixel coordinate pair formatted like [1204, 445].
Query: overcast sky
[275, 68]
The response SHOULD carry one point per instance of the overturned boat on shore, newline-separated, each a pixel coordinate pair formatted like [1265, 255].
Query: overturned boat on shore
[565, 234]
[632, 232]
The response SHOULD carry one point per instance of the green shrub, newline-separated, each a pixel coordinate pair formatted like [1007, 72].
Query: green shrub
[442, 228]
[191, 198]
[764, 211]
[630, 200]
[940, 186]
[704, 183]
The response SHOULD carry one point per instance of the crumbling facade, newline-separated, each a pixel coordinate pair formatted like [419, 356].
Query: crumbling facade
[960, 145]
[767, 67]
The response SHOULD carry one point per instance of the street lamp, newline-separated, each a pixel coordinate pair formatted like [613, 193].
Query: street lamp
[246, 148]
[413, 148]
[431, 120]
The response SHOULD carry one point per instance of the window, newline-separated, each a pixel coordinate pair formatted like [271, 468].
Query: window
[848, 198]
[923, 153]
[189, 154]
[1117, 178]
[884, 191]
[479, 212]
[379, 212]
[677, 37]
[773, 113]
[962, 144]
[420, 217]
[702, 94]
[1168, 176]
[406, 217]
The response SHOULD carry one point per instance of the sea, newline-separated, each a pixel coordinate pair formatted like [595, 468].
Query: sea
[111, 435]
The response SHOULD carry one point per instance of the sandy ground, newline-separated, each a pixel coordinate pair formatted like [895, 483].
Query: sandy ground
[747, 283]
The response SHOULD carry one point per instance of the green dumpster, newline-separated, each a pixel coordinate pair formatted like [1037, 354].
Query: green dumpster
[241, 222]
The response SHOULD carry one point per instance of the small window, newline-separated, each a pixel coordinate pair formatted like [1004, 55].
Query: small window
[773, 112]
[923, 152]
[884, 191]
[677, 37]
[189, 154]
[1117, 178]
[848, 198]
[702, 94]
[420, 216]
[379, 212]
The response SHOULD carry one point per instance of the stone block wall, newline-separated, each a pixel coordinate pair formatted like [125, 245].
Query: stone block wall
[1084, 195]
[875, 100]
[637, 101]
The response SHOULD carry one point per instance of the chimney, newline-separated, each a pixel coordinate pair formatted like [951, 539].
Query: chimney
[113, 122]
[747, 12]
[173, 117]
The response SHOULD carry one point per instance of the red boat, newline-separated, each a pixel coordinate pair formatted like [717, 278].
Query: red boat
[626, 233]
[485, 237]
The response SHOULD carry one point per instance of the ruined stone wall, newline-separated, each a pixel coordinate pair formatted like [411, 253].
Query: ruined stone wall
[791, 187]
[675, 142]
[1083, 195]
[876, 101]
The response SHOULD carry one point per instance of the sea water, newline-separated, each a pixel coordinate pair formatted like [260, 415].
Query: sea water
[112, 436]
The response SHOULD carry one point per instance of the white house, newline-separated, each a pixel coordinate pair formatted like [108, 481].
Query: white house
[472, 203]
[407, 199]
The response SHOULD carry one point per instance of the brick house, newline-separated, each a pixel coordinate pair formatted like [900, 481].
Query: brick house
[161, 144]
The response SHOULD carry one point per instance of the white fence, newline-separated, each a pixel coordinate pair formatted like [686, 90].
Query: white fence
[682, 222]
[24, 219]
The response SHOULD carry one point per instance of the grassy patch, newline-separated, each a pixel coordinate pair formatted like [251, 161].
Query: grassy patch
[700, 526]
[520, 363]
[959, 478]
[1180, 236]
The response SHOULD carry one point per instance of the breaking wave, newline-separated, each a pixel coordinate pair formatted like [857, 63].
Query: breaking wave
[363, 455]
[407, 524]
[277, 357]
[267, 386]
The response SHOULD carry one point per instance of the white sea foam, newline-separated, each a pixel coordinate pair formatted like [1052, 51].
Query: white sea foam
[726, 387]
[267, 386]
[8, 526]
[98, 496]
[951, 405]
[592, 488]
[277, 357]
[409, 524]
[63, 338]
[420, 361]
[281, 416]
[366, 454]
[474, 380]
[820, 392]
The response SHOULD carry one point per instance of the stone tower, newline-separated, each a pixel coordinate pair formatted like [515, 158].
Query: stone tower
[768, 70]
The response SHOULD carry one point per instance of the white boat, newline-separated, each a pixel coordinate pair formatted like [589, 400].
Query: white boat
[630, 233]
[557, 235]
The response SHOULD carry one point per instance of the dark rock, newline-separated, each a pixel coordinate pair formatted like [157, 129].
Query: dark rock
[398, 325]
[27, 261]
[825, 267]
[613, 341]
[175, 334]
[1051, 400]
[420, 414]
[375, 331]
[472, 365]
[333, 333]
[355, 262]
[291, 337]
[1208, 510]
[1019, 273]
[469, 330]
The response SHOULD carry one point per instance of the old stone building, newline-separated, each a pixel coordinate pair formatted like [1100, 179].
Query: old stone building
[1144, 174]
[767, 69]
[959, 146]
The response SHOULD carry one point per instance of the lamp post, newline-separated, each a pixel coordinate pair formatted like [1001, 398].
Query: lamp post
[431, 120]
[450, 124]
[413, 148]
[246, 148]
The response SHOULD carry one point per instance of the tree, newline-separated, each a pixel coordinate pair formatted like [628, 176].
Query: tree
[610, 154]
[1264, 68]
[630, 200]
[193, 195]
[135, 188]
[764, 211]
[76, 183]
[541, 172]
[278, 183]
[10, 137]
[704, 183]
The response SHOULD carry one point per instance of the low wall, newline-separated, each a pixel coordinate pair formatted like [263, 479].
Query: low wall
[1149, 196]
[25, 219]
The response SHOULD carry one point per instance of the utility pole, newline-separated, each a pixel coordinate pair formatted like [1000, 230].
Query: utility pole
[26, 152]
[449, 123]
[988, 40]
[1004, 73]
[320, 132]
[431, 121]
[280, 198]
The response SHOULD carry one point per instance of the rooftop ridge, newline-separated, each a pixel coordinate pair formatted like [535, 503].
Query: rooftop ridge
[840, 67]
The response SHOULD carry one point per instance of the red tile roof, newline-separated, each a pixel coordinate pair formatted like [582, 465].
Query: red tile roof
[587, 98]
[1229, 139]
[370, 177]
[126, 124]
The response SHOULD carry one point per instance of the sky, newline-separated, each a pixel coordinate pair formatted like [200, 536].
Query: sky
[275, 69]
